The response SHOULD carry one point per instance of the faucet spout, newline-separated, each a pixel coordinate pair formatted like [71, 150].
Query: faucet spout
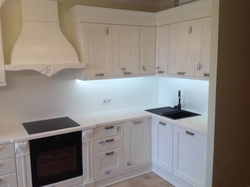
[179, 101]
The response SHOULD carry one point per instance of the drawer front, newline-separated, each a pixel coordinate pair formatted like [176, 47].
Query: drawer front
[8, 181]
[6, 150]
[108, 143]
[7, 166]
[108, 130]
[108, 162]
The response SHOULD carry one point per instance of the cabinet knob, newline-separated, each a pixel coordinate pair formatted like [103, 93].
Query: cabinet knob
[118, 129]
[206, 74]
[110, 153]
[199, 66]
[101, 143]
[99, 74]
[137, 122]
[106, 31]
[108, 171]
[109, 127]
[144, 68]
[110, 140]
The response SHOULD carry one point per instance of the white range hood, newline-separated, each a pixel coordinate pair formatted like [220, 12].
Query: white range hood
[41, 46]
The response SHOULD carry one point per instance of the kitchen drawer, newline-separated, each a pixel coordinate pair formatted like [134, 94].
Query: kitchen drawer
[108, 162]
[108, 143]
[8, 180]
[7, 166]
[108, 130]
[6, 150]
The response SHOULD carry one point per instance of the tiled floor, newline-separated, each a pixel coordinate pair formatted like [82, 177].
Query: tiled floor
[146, 180]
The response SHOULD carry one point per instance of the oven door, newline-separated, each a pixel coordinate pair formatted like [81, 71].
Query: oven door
[56, 158]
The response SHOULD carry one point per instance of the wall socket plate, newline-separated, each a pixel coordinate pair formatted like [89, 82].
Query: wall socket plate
[107, 101]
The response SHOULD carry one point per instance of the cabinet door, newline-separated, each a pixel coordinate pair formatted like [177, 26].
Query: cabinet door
[162, 144]
[189, 156]
[2, 70]
[108, 162]
[182, 48]
[137, 144]
[97, 49]
[203, 42]
[162, 49]
[8, 180]
[126, 50]
[147, 50]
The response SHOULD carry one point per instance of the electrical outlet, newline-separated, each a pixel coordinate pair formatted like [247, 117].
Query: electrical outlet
[107, 101]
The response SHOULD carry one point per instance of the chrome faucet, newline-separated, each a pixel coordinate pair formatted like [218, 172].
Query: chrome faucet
[179, 101]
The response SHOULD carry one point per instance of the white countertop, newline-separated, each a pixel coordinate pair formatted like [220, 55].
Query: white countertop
[16, 132]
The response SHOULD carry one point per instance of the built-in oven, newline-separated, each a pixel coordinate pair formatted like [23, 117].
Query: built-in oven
[56, 158]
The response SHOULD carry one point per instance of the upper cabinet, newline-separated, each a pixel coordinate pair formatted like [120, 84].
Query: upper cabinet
[147, 50]
[97, 51]
[162, 49]
[114, 43]
[126, 50]
[203, 42]
[182, 48]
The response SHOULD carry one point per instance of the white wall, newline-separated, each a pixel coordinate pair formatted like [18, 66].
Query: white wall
[31, 96]
[194, 93]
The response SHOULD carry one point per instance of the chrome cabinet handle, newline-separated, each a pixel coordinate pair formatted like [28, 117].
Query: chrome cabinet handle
[110, 140]
[144, 68]
[108, 171]
[129, 163]
[190, 29]
[106, 31]
[109, 127]
[181, 73]
[161, 123]
[101, 143]
[137, 122]
[127, 73]
[110, 153]
[190, 133]
[206, 74]
[99, 74]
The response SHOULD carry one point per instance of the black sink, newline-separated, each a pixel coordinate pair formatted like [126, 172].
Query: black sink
[172, 113]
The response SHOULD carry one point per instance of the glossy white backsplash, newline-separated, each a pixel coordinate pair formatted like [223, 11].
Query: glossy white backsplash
[31, 96]
[194, 93]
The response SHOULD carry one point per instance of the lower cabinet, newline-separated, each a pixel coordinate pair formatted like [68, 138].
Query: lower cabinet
[189, 156]
[162, 144]
[108, 162]
[137, 143]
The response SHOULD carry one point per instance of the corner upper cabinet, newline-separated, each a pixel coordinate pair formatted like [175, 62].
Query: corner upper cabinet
[126, 50]
[182, 48]
[162, 49]
[97, 50]
[203, 42]
[147, 50]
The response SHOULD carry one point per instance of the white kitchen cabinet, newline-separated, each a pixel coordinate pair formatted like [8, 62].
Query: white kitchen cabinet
[7, 166]
[147, 50]
[108, 162]
[189, 156]
[182, 48]
[97, 50]
[203, 41]
[162, 49]
[126, 50]
[162, 144]
[137, 143]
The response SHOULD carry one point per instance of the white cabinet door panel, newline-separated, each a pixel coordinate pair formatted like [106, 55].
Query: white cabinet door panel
[189, 156]
[126, 50]
[162, 144]
[182, 48]
[137, 138]
[97, 49]
[147, 50]
[203, 42]
[162, 49]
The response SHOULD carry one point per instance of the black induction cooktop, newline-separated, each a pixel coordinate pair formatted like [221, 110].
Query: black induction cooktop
[49, 125]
